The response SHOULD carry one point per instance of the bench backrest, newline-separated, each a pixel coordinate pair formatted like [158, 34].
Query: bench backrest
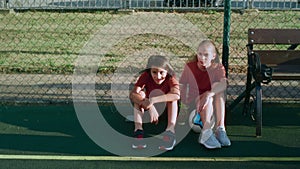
[285, 62]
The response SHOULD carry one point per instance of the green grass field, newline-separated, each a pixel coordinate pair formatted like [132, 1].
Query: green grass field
[50, 136]
[50, 42]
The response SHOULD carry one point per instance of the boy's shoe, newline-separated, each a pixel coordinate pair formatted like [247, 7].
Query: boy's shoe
[138, 142]
[208, 139]
[222, 137]
[169, 141]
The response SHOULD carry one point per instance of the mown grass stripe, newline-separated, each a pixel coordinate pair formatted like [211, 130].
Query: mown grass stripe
[118, 158]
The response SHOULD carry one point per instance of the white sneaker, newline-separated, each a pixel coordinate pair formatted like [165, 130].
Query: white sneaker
[222, 137]
[208, 139]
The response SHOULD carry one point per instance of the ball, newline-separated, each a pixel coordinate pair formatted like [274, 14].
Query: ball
[195, 121]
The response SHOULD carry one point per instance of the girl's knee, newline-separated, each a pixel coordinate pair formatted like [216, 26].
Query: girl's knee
[220, 98]
[172, 104]
[220, 95]
[143, 94]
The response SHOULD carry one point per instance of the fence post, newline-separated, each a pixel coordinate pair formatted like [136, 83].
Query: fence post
[226, 35]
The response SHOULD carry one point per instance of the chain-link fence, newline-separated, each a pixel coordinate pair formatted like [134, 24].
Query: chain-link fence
[51, 54]
[148, 4]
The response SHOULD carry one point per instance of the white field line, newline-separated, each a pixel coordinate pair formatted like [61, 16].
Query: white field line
[118, 158]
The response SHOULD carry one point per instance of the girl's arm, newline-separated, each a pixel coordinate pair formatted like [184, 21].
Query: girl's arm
[218, 87]
[135, 95]
[173, 95]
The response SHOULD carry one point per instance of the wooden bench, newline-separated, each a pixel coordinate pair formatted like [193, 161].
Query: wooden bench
[265, 64]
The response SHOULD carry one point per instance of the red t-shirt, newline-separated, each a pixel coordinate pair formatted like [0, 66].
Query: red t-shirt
[146, 82]
[198, 81]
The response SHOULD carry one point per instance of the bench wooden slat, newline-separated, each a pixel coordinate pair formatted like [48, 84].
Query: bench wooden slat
[274, 36]
[286, 72]
[282, 76]
[285, 64]
[279, 57]
[287, 69]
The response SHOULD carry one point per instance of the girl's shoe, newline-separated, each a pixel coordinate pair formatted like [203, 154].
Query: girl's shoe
[208, 139]
[222, 137]
[138, 142]
[169, 141]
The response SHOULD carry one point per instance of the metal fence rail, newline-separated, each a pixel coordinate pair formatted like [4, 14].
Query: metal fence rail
[50, 4]
[148, 4]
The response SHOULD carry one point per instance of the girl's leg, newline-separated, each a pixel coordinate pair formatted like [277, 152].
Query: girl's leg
[220, 109]
[206, 114]
[138, 117]
[172, 115]
[207, 137]
[220, 132]
[138, 114]
[169, 138]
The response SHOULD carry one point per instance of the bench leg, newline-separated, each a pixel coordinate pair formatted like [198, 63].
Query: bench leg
[249, 87]
[258, 109]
